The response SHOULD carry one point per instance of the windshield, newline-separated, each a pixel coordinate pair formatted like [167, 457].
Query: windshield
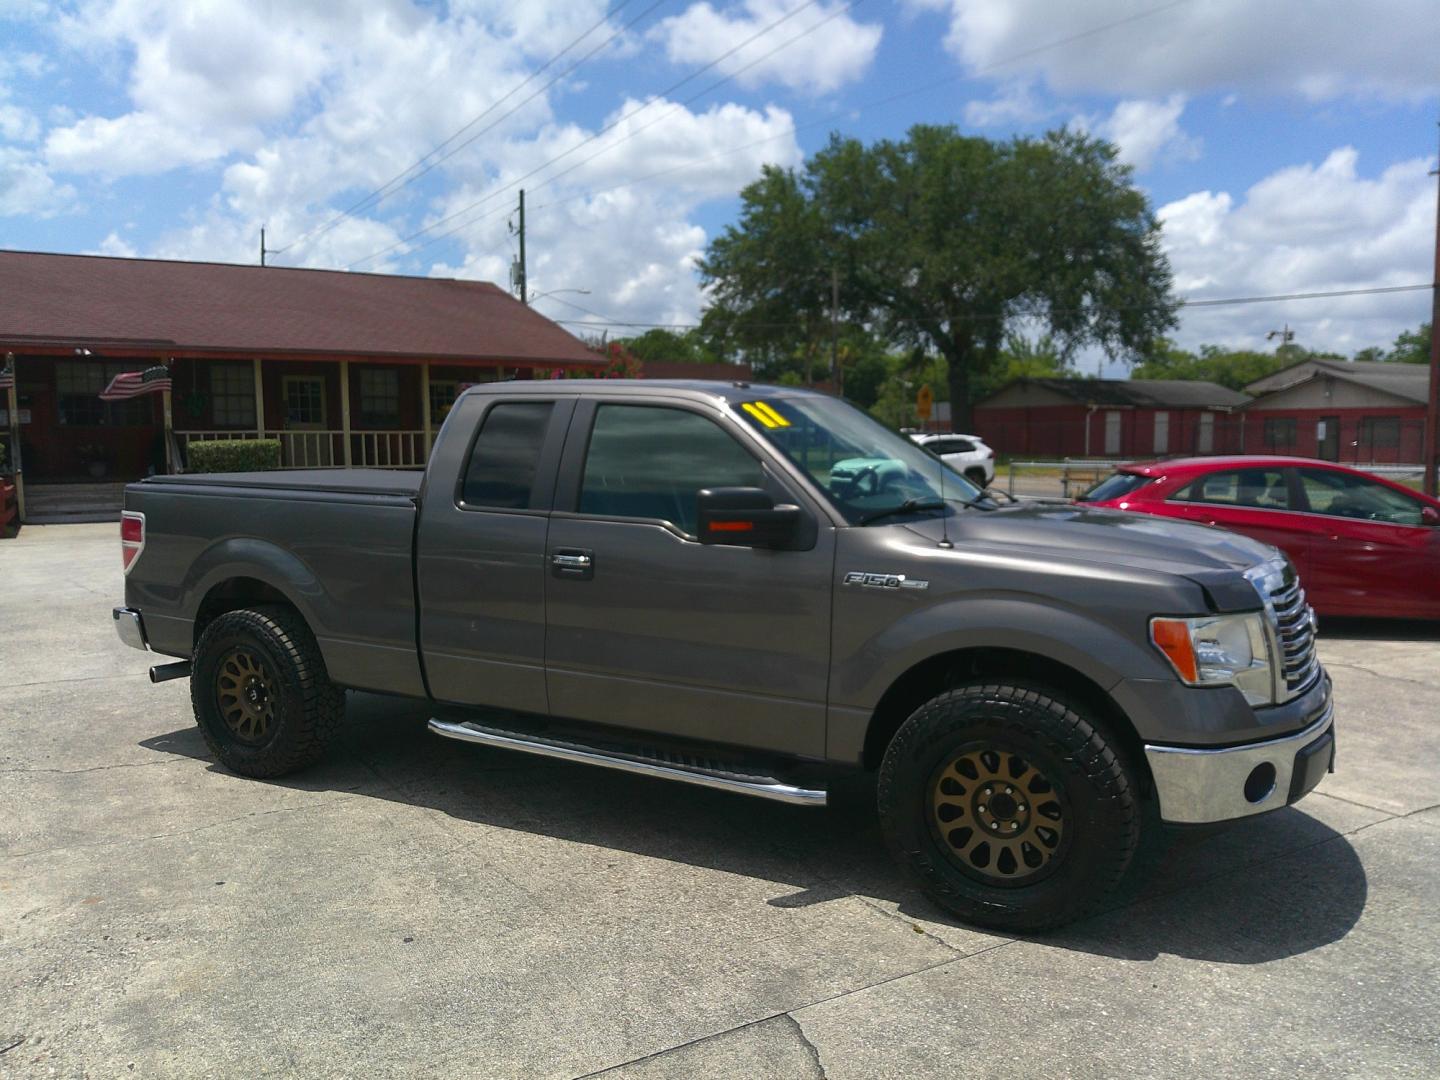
[868, 471]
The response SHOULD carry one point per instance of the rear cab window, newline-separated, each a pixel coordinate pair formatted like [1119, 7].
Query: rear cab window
[503, 461]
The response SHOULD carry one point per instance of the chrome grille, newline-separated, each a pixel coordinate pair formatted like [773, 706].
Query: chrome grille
[1295, 636]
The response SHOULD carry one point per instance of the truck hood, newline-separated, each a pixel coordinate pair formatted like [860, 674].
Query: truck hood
[1213, 558]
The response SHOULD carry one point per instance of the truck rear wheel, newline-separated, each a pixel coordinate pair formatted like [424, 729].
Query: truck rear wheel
[1010, 804]
[260, 692]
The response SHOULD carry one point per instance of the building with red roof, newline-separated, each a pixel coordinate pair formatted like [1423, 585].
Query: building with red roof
[342, 368]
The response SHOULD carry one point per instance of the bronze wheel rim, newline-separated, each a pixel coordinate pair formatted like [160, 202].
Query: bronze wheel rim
[999, 817]
[245, 693]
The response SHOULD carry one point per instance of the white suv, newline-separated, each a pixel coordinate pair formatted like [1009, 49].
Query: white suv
[966, 454]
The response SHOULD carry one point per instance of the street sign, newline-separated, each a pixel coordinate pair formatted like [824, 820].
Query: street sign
[924, 402]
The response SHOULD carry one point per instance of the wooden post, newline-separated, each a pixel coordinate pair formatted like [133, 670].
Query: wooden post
[425, 403]
[345, 409]
[259, 401]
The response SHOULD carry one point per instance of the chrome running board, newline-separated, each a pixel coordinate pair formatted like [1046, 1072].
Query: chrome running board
[632, 761]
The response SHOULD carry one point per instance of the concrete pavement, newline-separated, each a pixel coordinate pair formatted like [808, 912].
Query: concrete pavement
[419, 907]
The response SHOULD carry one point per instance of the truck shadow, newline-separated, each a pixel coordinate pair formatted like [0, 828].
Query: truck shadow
[1258, 891]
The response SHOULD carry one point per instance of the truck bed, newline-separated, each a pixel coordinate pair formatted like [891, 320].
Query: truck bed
[334, 543]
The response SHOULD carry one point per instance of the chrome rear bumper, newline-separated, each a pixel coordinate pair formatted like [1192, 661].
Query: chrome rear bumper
[131, 628]
[1198, 785]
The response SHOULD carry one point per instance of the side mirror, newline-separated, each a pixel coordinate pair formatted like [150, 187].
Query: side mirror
[745, 517]
[1429, 516]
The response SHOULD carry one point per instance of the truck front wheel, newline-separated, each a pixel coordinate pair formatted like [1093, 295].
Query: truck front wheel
[1010, 804]
[260, 692]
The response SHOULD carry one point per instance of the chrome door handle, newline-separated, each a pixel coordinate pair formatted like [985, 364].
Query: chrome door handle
[571, 562]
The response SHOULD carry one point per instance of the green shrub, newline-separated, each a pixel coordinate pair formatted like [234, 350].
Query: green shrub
[233, 455]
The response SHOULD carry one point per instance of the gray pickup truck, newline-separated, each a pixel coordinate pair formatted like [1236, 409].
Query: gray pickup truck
[757, 589]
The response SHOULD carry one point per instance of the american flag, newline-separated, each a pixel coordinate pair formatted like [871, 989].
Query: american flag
[7, 378]
[130, 384]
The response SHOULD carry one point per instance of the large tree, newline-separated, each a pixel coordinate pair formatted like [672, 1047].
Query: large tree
[1412, 346]
[943, 243]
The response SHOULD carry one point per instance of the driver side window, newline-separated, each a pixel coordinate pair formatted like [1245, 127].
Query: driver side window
[648, 461]
[1339, 494]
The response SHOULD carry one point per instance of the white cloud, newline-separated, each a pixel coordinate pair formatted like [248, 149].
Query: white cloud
[631, 242]
[136, 144]
[1319, 52]
[836, 51]
[1146, 130]
[18, 124]
[1306, 228]
[114, 244]
[27, 188]
[1015, 105]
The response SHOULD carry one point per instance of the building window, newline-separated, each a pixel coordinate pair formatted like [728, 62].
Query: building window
[78, 384]
[442, 397]
[1279, 433]
[1380, 432]
[1162, 433]
[379, 397]
[232, 395]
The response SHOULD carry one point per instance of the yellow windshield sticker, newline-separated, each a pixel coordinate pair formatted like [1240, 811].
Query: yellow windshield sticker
[776, 420]
[758, 415]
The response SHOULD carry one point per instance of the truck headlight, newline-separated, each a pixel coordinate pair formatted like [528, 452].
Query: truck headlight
[1219, 650]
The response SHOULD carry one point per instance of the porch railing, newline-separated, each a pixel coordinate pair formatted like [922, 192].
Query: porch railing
[326, 449]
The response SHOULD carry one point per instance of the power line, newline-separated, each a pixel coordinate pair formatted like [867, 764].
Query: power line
[680, 106]
[385, 190]
[607, 128]
[787, 132]
[1225, 301]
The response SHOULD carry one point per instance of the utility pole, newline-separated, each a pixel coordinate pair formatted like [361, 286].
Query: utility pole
[836, 378]
[1286, 336]
[262, 245]
[520, 275]
[1432, 398]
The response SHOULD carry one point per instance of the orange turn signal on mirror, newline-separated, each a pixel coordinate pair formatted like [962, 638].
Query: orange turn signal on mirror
[1172, 637]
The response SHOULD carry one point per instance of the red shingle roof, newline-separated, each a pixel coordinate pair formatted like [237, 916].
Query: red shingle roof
[185, 308]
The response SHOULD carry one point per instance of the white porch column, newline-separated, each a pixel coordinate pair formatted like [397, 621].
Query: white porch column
[425, 403]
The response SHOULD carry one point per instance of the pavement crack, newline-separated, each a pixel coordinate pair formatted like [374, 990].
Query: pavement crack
[185, 832]
[81, 678]
[908, 924]
[810, 1047]
[1386, 675]
[1356, 802]
[97, 768]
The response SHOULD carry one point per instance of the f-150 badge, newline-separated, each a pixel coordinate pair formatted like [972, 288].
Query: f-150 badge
[884, 581]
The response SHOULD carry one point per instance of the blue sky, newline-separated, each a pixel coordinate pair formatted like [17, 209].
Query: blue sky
[1284, 144]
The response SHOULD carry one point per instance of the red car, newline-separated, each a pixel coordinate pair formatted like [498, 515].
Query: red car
[1362, 544]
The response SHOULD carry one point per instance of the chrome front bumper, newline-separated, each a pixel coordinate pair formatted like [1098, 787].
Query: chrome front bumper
[1197, 786]
[131, 628]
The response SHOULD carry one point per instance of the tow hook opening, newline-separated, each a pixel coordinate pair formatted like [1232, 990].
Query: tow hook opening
[1260, 783]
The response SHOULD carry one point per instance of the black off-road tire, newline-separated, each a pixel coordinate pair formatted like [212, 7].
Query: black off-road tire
[1092, 793]
[306, 707]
